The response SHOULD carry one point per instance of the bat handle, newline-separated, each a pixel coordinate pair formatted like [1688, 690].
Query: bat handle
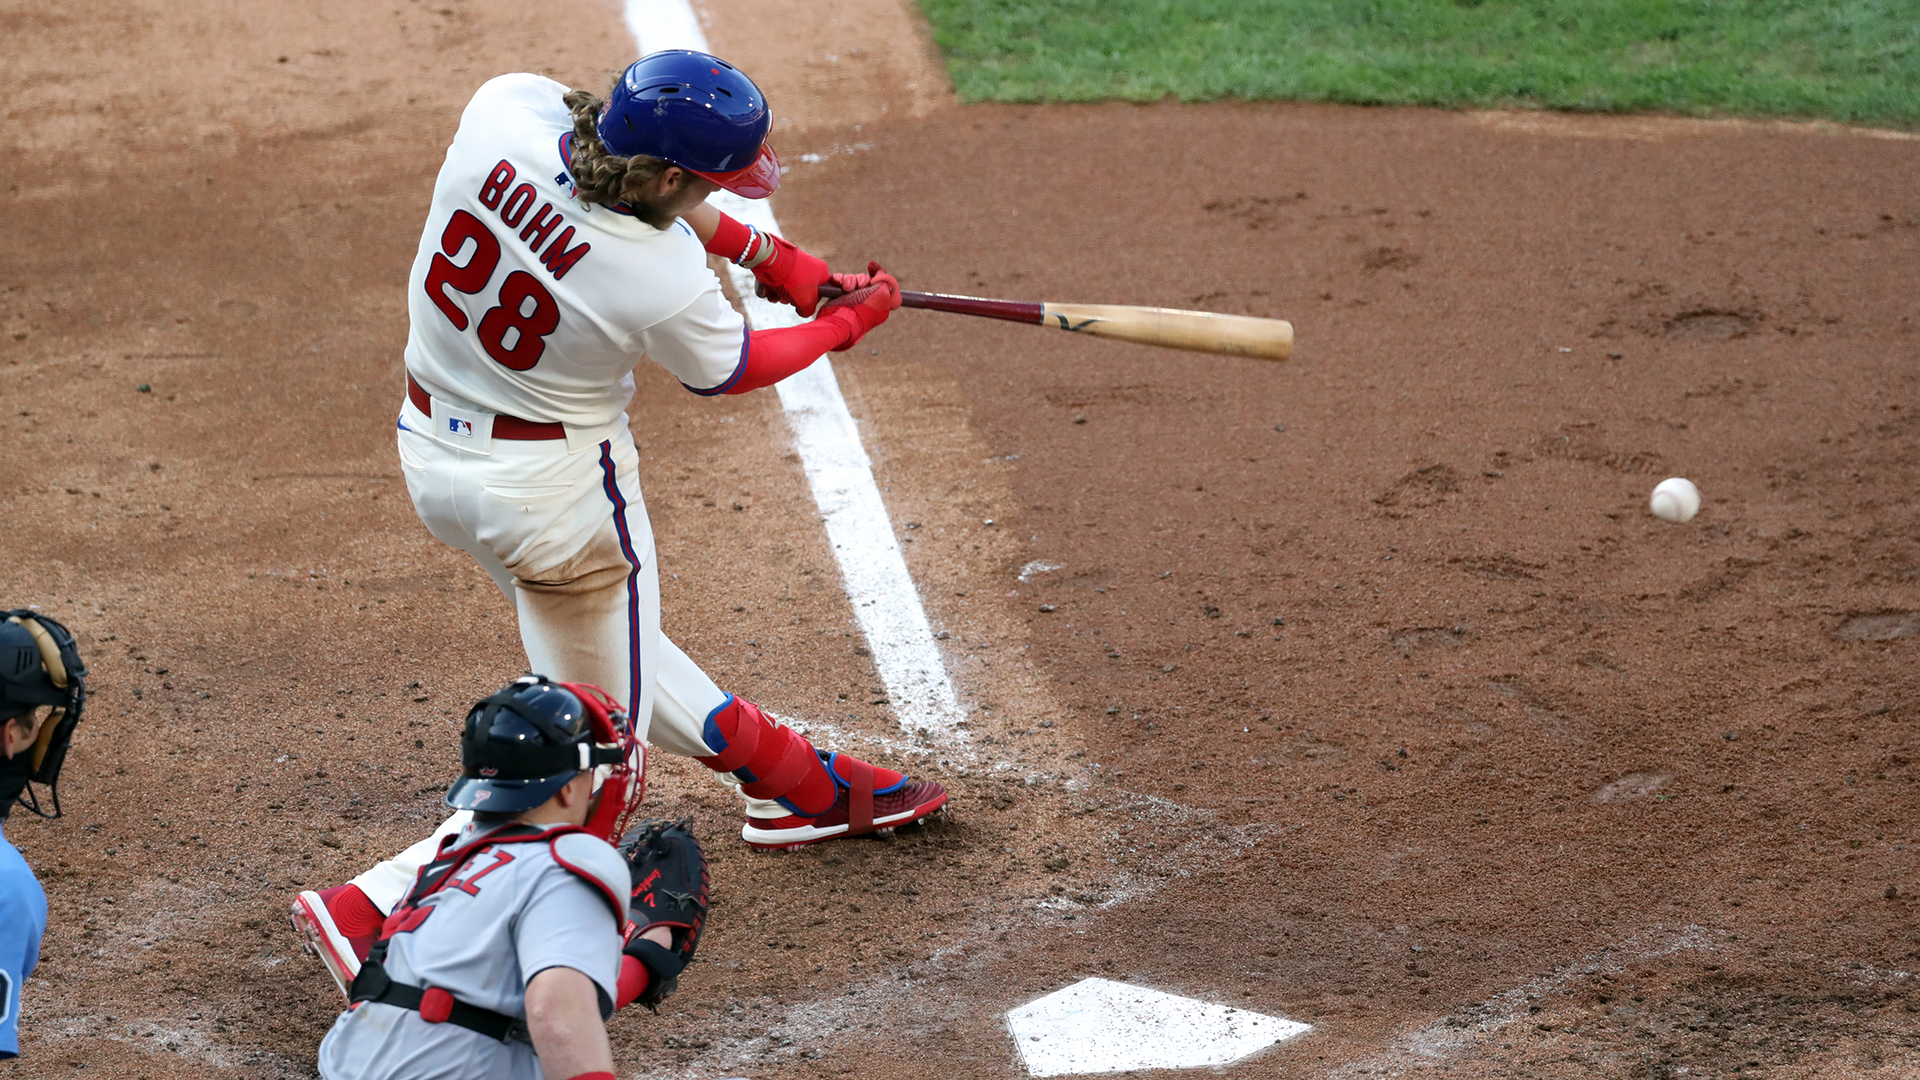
[829, 290]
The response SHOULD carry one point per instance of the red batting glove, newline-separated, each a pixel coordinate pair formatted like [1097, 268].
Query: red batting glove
[791, 276]
[847, 283]
[867, 301]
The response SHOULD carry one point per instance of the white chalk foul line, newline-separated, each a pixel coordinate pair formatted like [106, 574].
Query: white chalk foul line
[884, 599]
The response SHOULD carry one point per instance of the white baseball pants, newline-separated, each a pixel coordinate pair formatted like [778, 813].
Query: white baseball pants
[560, 527]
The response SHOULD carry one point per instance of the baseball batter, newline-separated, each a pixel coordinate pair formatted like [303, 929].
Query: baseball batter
[568, 236]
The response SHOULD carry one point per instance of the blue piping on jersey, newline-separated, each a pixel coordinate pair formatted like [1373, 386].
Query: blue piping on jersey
[739, 369]
[612, 488]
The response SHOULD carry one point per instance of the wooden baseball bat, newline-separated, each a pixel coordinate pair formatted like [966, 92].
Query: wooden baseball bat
[1199, 331]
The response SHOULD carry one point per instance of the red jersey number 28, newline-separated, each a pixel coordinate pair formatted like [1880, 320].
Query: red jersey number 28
[521, 289]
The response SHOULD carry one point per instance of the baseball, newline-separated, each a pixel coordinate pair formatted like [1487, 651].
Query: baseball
[1675, 499]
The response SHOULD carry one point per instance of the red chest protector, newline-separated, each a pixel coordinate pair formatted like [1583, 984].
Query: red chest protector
[435, 1005]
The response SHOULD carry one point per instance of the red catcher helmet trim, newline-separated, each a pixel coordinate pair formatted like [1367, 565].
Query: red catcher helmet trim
[619, 795]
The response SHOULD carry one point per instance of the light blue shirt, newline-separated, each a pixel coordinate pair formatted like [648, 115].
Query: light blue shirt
[23, 919]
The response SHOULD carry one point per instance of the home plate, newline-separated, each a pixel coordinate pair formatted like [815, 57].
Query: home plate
[1102, 1026]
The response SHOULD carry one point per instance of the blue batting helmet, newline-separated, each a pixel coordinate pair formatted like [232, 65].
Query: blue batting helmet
[697, 111]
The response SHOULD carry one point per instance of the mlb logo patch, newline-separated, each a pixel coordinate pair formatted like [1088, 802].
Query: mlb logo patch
[462, 428]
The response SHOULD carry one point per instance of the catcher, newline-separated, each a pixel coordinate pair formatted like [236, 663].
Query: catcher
[528, 929]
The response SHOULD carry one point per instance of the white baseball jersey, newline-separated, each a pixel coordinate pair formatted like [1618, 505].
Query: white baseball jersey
[512, 913]
[559, 526]
[527, 302]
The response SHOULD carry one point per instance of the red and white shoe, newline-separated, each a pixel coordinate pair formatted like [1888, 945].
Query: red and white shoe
[320, 933]
[857, 811]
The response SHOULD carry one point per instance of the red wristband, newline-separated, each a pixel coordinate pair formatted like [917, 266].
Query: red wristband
[730, 239]
[633, 981]
[740, 243]
[601, 1075]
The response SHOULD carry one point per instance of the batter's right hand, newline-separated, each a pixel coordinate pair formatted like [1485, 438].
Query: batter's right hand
[791, 277]
[865, 303]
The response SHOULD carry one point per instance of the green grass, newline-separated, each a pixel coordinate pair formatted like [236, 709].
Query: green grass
[1856, 61]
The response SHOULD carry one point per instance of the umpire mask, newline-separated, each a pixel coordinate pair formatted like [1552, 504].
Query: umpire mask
[40, 668]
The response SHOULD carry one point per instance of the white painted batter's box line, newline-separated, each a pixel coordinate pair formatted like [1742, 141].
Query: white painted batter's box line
[872, 568]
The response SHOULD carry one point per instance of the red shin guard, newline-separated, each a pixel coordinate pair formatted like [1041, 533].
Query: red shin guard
[773, 761]
[353, 913]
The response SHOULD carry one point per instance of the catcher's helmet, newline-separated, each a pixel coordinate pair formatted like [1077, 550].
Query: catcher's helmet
[697, 111]
[40, 666]
[527, 741]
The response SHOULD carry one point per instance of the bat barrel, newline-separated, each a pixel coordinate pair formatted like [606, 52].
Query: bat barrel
[1199, 331]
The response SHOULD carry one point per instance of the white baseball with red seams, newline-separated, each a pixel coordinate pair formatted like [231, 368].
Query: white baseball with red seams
[1675, 499]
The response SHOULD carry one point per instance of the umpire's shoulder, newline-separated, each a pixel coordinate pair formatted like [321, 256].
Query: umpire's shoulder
[596, 862]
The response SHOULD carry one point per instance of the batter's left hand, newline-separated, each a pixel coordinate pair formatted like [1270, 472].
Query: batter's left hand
[791, 277]
[869, 299]
[852, 283]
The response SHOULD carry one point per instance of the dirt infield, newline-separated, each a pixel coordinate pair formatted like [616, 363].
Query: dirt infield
[1360, 690]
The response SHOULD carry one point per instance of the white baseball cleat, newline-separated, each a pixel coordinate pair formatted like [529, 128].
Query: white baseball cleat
[322, 938]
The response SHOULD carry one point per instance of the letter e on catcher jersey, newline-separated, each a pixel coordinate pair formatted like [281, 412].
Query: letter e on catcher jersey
[527, 302]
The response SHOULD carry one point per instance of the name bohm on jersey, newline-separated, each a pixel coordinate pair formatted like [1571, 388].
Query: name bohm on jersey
[513, 204]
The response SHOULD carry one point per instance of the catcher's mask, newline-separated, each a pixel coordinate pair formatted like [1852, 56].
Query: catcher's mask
[527, 741]
[697, 111]
[40, 667]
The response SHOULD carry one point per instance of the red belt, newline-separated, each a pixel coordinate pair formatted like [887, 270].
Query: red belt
[504, 427]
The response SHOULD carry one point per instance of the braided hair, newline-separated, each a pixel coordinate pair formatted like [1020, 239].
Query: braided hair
[602, 177]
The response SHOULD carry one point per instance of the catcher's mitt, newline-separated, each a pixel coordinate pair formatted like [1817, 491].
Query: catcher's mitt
[670, 890]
